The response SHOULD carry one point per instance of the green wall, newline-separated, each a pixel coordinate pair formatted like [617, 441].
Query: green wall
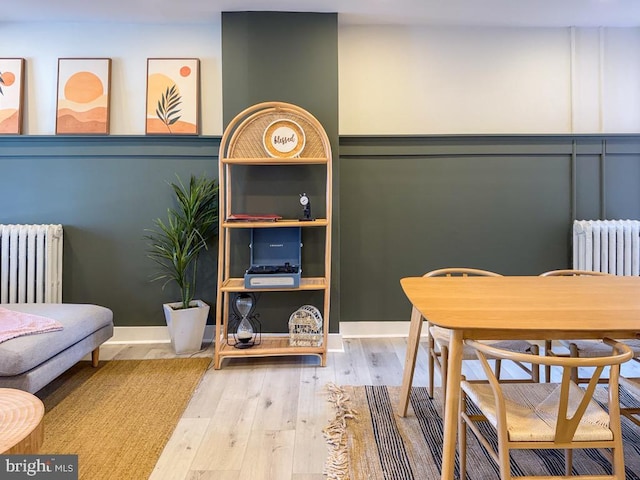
[105, 191]
[281, 56]
[408, 205]
[502, 203]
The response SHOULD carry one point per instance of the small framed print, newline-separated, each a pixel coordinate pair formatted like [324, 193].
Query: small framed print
[11, 95]
[173, 96]
[84, 88]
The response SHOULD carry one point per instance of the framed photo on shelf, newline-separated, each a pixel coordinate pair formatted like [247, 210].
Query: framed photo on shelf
[11, 95]
[173, 96]
[84, 89]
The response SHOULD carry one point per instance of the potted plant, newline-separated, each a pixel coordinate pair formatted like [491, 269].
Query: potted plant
[175, 245]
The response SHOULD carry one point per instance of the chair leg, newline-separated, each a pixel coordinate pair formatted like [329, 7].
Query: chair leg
[432, 353]
[568, 461]
[535, 369]
[504, 457]
[617, 451]
[444, 365]
[462, 437]
[573, 352]
[618, 462]
[547, 368]
[498, 368]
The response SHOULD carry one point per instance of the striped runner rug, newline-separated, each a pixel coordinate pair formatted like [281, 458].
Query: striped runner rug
[367, 440]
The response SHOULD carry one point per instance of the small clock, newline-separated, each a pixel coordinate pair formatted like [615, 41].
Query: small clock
[306, 207]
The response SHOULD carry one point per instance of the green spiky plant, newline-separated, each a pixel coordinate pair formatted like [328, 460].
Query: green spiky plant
[176, 243]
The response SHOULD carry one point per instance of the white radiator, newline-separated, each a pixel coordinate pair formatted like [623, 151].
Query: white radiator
[611, 246]
[30, 263]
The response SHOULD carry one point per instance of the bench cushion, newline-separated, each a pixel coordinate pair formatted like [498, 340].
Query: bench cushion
[22, 354]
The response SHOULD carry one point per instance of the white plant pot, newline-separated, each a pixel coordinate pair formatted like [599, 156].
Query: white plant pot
[186, 326]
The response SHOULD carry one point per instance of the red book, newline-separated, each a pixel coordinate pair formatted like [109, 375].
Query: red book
[245, 217]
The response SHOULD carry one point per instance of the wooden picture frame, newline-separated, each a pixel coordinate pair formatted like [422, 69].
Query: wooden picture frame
[83, 99]
[11, 95]
[173, 96]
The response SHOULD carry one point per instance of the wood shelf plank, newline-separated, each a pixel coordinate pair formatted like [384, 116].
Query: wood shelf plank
[275, 161]
[319, 222]
[309, 283]
[270, 346]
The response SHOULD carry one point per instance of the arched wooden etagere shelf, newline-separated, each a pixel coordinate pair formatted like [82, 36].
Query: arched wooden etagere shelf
[246, 142]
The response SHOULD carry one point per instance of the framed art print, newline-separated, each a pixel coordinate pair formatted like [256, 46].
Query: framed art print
[173, 96]
[84, 87]
[11, 95]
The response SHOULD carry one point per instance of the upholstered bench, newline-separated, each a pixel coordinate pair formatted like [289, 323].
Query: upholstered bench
[30, 362]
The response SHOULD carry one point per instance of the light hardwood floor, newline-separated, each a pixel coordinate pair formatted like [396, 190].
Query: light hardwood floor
[262, 419]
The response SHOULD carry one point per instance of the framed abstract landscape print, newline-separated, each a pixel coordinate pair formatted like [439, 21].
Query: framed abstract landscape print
[84, 86]
[173, 96]
[11, 95]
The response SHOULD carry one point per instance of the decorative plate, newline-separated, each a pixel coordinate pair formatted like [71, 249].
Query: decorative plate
[284, 139]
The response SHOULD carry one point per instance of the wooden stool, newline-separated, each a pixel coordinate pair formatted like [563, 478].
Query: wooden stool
[21, 415]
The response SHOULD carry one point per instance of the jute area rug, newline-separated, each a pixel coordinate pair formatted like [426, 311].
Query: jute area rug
[368, 440]
[118, 417]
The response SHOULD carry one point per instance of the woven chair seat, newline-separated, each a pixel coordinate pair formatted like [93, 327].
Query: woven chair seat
[597, 348]
[532, 411]
[442, 337]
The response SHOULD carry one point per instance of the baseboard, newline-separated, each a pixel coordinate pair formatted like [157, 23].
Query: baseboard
[375, 329]
[133, 335]
[159, 334]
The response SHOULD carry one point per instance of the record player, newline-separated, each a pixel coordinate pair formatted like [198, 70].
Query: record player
[275, 258]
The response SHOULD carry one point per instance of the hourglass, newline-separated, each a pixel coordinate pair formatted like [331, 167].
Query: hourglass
[247, 328]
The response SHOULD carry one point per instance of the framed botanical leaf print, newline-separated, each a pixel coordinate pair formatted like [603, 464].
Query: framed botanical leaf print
[173, 96]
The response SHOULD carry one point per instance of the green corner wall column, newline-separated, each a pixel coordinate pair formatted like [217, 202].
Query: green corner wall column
[289, 57]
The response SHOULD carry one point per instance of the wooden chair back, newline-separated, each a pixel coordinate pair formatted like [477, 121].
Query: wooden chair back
[564, 273]
[461, 272]
[566, 424]
[568, 273]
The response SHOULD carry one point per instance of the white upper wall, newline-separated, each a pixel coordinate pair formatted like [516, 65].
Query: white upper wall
[393, 80]
[621, 80]
[455, 80]
[129, 46]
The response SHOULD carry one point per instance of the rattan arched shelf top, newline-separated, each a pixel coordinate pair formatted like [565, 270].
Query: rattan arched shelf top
[242, 141]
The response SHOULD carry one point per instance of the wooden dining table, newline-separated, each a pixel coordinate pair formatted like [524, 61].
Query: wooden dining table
[513, 307]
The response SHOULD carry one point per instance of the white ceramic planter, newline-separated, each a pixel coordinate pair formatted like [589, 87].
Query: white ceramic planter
[186, 326]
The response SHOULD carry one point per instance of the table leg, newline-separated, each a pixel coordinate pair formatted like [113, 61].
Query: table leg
[452, 405]
[413, 343]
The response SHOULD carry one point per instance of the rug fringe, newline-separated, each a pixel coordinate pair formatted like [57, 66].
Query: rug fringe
[337, 464]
